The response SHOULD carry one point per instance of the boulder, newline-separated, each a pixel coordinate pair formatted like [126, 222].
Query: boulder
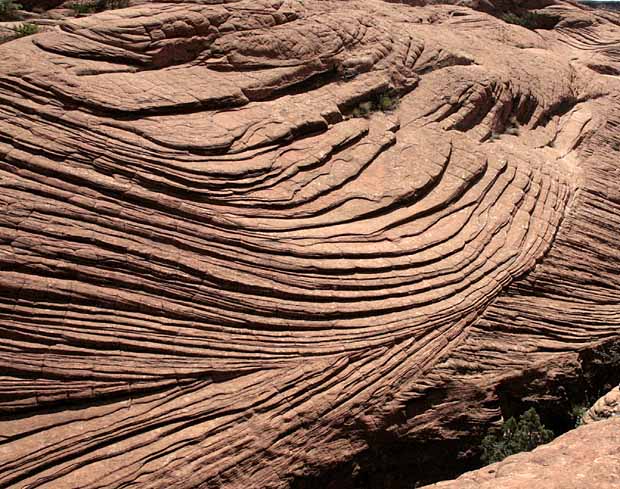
[606, 407]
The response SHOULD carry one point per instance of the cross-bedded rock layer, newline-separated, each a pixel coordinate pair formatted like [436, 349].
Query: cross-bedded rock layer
[215, 275]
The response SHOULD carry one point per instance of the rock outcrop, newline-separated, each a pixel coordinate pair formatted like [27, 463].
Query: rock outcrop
[585, 458]
[606, 407]
[215, 273]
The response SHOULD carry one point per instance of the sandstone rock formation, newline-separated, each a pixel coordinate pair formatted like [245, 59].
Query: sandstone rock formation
[585, 458]
[213, 274]
[606, 407]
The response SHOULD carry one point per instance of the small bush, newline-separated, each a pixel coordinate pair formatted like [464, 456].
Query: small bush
[83, 8]
[362, 110]
[26, 29]
[91, 7]
[515, 437]
[529, 20]
[8, 9]
[382, 102]
[111, 4]
[387, 102]
[577, 413]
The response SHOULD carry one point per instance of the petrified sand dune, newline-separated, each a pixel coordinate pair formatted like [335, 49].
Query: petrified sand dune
[215, 274]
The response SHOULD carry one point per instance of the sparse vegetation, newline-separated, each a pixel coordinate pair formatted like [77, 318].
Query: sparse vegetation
[601, 371]
[577, 413]
[91, 7]
[512, 126]
[83, 8]
[26, 29]
[8, 10]
[515, 436]
[382, 102]
[529, 20]
[609, 356]
[111, 4]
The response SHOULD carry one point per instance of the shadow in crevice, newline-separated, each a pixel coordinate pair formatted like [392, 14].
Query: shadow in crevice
[391, 463]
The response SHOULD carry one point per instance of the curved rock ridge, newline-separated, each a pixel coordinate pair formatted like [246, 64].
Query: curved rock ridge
[215, 273]
[586, 457]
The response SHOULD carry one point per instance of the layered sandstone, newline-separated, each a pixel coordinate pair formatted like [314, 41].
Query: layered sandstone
[214, 273]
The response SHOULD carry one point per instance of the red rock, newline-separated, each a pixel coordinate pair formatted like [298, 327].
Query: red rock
[584, 458]
[606, 407]
[212, 275]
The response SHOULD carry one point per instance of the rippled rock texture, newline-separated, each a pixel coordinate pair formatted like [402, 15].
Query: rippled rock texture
[218, 272]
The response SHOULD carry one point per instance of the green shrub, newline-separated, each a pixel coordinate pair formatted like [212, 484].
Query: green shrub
[383, 102]
[529, 20]
[26, 29]
[113, 4]
[91, 7]
[82, 8]
[515, 436]
[8, 9]
[387, 102]
[577, 413]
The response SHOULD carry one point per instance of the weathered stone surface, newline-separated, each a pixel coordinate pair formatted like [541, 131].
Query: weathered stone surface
[606, 407]
[214, 276]
[585, 458]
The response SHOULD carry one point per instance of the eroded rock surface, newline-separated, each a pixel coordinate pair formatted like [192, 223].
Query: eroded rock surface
[213, 275]
[606, 407]
[587, 457]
